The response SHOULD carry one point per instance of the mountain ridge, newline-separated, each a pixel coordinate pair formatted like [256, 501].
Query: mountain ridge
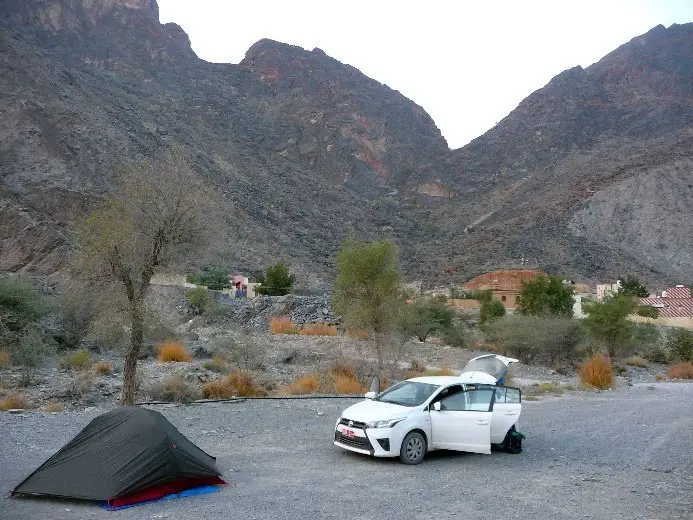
[288, 132]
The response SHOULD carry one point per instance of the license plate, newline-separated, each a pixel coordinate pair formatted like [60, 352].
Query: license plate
[349, 433]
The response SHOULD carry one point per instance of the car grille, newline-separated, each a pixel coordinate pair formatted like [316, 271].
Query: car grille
[361, 443]
[354, 424]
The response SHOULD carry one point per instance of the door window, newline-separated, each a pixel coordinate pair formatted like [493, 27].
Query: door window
[513, 395]
[472, 400]
[500, 394]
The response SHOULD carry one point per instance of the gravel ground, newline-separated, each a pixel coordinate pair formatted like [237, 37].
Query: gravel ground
[623, 454]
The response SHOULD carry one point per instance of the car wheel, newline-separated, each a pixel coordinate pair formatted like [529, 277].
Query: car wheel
[413, 448]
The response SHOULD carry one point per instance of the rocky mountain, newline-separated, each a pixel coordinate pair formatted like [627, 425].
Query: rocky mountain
[590, 176]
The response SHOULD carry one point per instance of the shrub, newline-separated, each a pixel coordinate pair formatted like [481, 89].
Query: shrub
[308, 384]
[636, 361]
[319, 329]
[53, 408]
[454, 336]
[440, 372]
[359, 334]
[529, 338]
[277, 281]
[78, 360]
[216, 278]
[244, 384]
[216, 364]
[217, 389]
[423, 317]
[347, 385]
[655, 354]
[30, 352]
[490, 310]
[282, 324]
[173, 351]
[597, 372]
[200, 300]
[14, 401]
[680, 345]
[244, 351]
[5, 359]
[103, 368]
[174, 389]
[340, 367]
[681, 371]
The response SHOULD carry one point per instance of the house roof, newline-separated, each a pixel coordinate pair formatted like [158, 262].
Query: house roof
[510, 280]
[671, 307]
[679, 291]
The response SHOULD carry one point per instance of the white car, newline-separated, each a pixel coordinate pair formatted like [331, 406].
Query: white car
[469, 412]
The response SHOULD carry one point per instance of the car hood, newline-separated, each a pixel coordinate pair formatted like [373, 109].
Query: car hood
[370, 410]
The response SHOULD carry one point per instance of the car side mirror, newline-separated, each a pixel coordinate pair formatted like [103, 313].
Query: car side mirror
[436, 406]
[370, 395]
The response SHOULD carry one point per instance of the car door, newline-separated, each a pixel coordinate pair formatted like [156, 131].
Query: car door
[507, 407]
[463, 422]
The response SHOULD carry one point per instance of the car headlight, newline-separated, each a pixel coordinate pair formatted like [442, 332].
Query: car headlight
[388, 423]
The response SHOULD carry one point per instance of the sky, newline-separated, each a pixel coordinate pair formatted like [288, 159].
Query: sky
[467, 63]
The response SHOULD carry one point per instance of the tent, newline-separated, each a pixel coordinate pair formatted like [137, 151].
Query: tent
[124, 457]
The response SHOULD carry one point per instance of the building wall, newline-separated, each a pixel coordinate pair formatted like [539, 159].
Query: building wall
[684, 322]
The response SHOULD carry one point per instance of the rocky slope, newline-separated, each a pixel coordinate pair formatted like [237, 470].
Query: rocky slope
[580, 179]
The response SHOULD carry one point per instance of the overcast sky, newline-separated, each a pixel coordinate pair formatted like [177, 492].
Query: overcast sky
[468, 64]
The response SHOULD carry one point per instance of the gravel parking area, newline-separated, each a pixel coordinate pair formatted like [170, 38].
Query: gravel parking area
[624, 454]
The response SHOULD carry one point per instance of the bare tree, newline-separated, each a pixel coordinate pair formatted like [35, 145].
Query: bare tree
[157, 211]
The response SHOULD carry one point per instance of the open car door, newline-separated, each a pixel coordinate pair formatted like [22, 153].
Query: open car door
[462, 422]
[506, 411]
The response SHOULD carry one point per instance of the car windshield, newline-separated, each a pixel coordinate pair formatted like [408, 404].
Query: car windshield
[408, 393]
[489, 365]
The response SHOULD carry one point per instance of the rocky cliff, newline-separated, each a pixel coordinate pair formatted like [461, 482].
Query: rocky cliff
[580, 179]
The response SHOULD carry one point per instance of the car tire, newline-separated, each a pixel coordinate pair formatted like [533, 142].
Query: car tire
[413, 448]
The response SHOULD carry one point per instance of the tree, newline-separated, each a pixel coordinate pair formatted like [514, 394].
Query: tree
[367, 289]
[545, 296]
[200, 300]
[22, 308]
[215, 278]
[630, 286]
[490, 310]
[278, 281]
[156, 211]
[608, 322]
[425, 316]
[680, 345]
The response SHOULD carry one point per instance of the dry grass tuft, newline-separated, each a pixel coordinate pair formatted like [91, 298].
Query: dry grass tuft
[597, 372]
[440, 372]
[681, 370]
[308, 384]
[341, 367]
[282, 325]
[357, 334]
[173, 351]
[5, 359]
[175, 389]
[348, 385]
[14, 401]
[103, 368]
[319, 329]
[53, 407]
[636, 361]
[78, 360]
[237, 384]
[216, 364]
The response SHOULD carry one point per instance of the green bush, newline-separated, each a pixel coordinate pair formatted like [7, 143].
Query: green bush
[548, 340]
[215, 278]
[454, 336]
[200, 300]
[680, 345]
[423, 317]
[490, 310]
[278, 281]
[30, 352]
[78, 360]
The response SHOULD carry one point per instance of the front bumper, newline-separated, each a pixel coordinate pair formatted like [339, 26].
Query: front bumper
[372, 441]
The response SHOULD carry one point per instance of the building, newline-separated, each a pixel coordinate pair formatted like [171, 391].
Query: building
[504, 285]
[608, 289]
[675, 306]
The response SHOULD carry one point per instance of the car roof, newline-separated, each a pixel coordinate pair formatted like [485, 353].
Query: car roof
[436, 380]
